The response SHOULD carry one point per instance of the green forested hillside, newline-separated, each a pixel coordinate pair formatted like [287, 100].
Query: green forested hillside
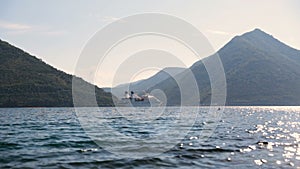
[26, 81]
[259, 69]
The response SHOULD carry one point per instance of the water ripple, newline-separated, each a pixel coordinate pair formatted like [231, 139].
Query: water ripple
[245, 137]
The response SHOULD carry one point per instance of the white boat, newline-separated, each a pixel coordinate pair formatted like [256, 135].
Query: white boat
[134, 100]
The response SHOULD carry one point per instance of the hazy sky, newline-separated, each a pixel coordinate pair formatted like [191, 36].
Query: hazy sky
[56, 31]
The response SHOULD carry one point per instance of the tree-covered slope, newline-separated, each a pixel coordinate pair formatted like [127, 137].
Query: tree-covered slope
[26, 81]
[259, 70]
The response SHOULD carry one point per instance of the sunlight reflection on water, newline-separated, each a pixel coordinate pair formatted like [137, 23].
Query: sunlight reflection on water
[251, 137]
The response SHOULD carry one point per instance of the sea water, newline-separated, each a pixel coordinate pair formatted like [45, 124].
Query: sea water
[240, 137]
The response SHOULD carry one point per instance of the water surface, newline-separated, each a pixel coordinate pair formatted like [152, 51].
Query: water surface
[243, 137]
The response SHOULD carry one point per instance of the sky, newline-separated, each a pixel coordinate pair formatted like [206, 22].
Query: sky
[57, 31]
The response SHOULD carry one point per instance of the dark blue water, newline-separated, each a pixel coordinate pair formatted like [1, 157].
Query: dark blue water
[243, 137]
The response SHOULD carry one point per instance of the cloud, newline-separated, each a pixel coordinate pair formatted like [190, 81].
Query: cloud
[106, 19]
[218, 32]
[110, 19]
[55, 33]
[17, 29]
[14, 26]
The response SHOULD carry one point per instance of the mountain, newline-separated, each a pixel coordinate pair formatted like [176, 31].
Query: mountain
[27, 81]
[259, 69]
[142, 86]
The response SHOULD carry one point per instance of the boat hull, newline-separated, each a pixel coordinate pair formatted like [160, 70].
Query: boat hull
[138, 103]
